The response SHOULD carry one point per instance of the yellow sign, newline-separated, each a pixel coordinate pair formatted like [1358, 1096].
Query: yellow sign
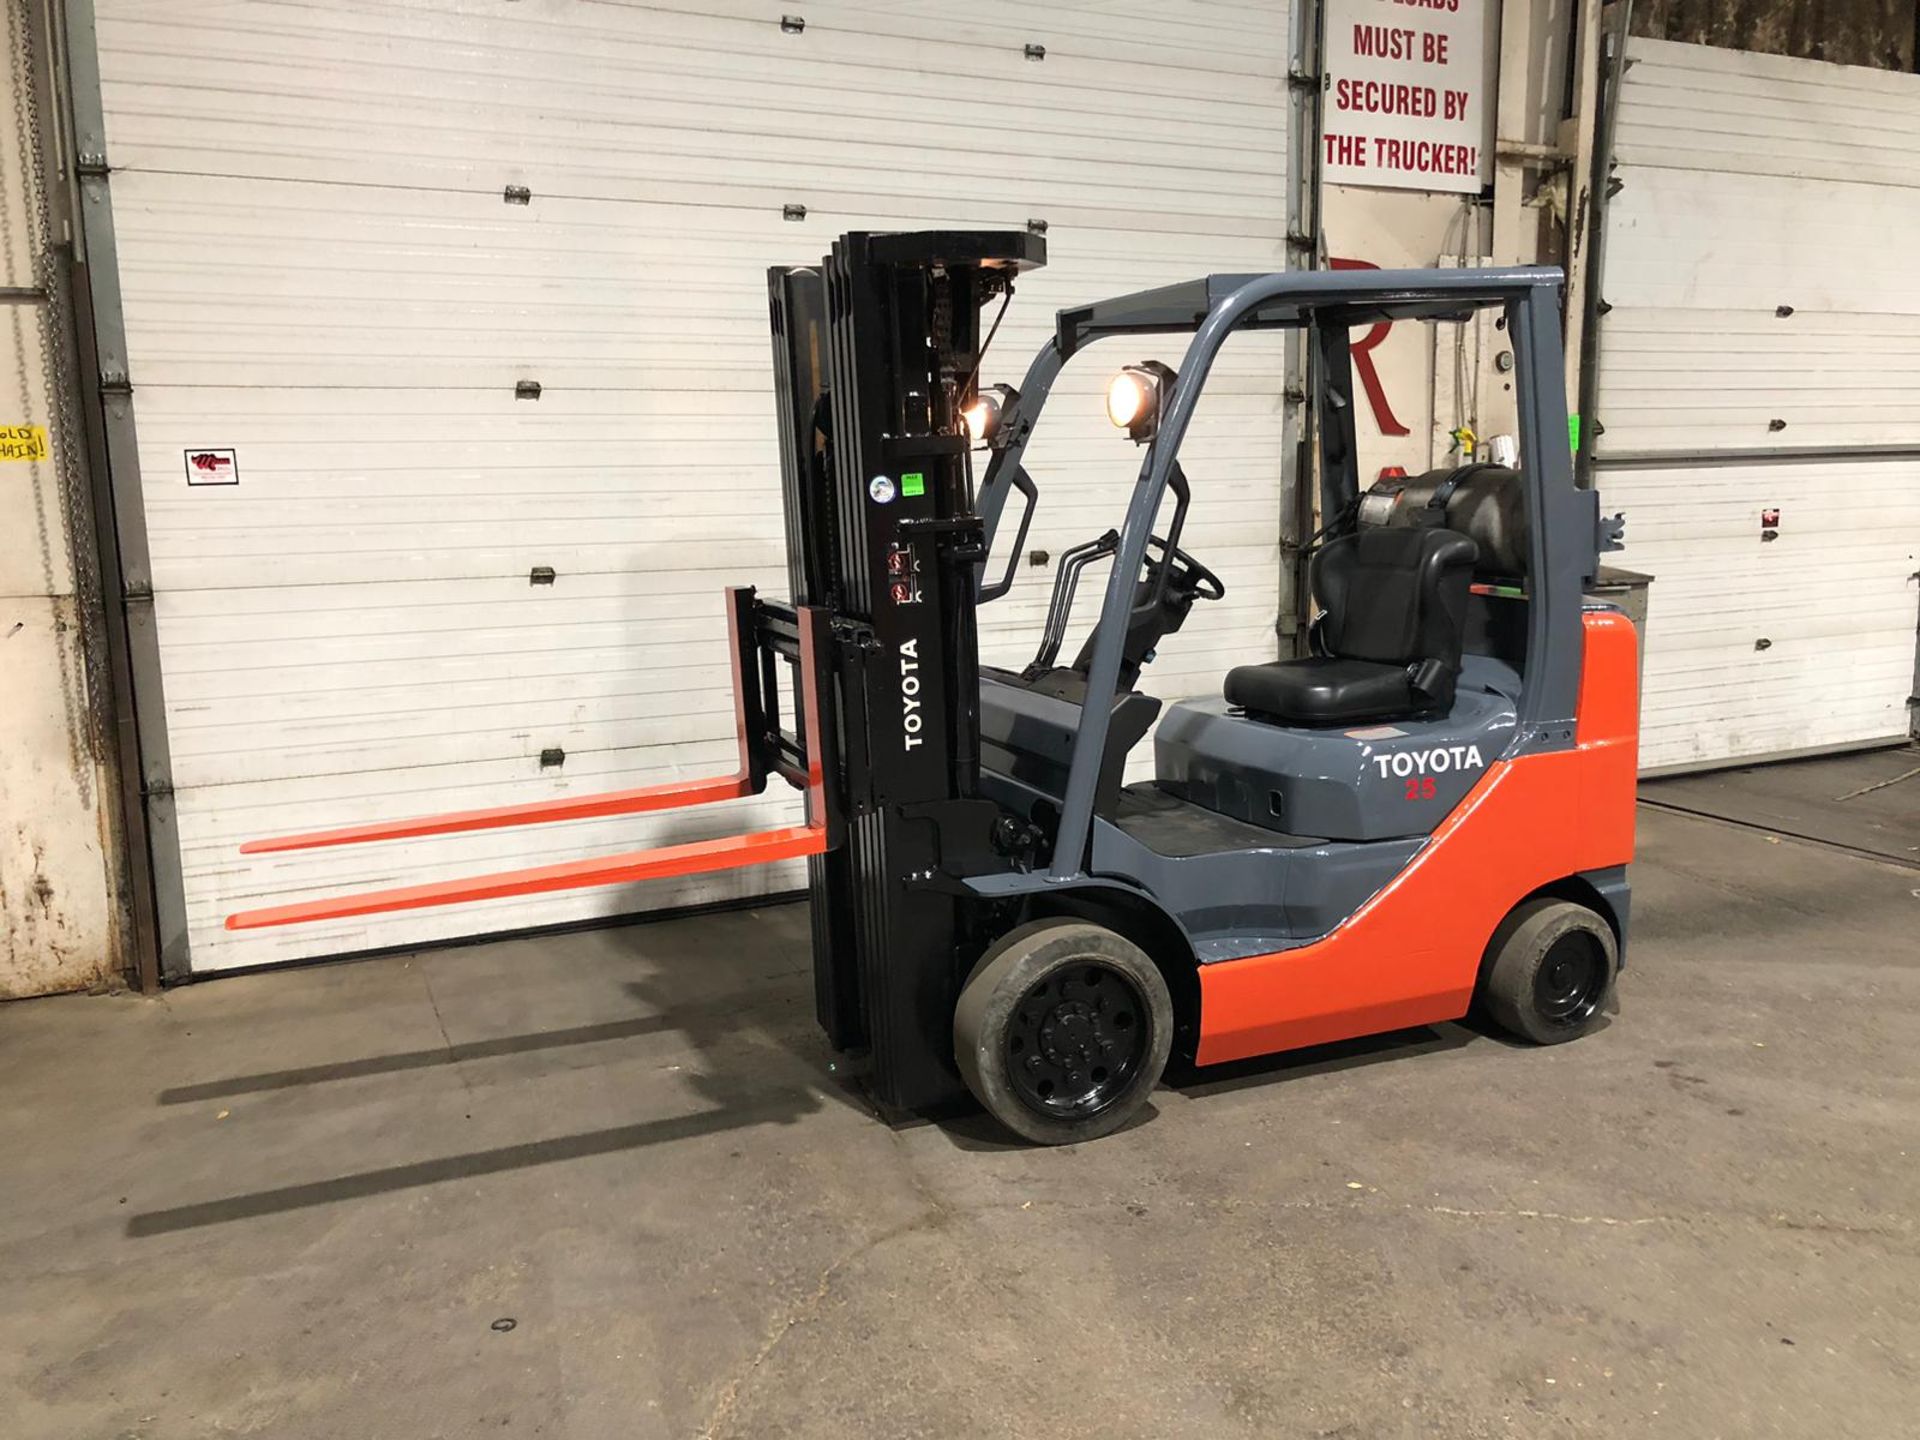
[23, 442]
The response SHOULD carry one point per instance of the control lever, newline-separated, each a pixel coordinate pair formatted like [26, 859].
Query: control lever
[1060, 606]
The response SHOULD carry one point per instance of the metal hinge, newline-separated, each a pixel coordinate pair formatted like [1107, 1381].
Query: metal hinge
[1302, 80]
[91, 165]
[115, 382]
[1036, 52]
[793, 212]
[526, 389]
[793, 24]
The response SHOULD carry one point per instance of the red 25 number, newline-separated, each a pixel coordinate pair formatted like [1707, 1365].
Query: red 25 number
[1419, 787]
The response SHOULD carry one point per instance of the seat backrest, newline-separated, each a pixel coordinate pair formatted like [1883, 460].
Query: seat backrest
[1397, 596]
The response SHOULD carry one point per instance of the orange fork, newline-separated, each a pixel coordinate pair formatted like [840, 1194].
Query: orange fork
[730, 852]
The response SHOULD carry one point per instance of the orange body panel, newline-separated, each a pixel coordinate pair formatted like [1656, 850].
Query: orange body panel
[1411, 954]
[669, 796]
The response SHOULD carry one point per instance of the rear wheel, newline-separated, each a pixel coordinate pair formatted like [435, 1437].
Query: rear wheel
[1062, 1030]
[1553, 967]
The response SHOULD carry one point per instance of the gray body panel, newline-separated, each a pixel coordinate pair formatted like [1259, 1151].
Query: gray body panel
[1617, 896]
[1238, 885]
[1253, 902]
[1358, 782]
[1029, 734]
[1228, 903]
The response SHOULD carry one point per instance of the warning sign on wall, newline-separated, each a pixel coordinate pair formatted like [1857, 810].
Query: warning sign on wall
[212, 467]
[23, 442]
[1406, 101]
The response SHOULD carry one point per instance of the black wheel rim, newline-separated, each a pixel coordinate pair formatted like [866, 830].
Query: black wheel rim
[1571, 981]
[1076, 1040]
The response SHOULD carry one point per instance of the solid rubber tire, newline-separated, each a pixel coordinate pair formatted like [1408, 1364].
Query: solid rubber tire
[1012, 965]
[1519, 947]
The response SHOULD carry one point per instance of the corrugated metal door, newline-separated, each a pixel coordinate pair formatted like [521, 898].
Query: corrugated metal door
[349, 231]
[1762, 362]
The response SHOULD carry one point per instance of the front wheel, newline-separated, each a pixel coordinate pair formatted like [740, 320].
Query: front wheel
[1553, 967]
[1062, 1030]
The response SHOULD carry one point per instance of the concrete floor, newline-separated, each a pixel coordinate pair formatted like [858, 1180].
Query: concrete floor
[1868, 802]
[604, 1186]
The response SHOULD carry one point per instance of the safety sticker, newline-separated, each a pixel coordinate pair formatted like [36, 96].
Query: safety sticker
[23, 442]
[212, 467]
[1377, 732]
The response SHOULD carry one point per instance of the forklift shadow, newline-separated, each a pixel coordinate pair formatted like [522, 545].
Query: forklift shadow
[781, 1026]
[1195, 1081]
[360, 1067]
[971, 1129]
[750, 1000]
[757, 1062]
[977, 1132]
[780, 1108]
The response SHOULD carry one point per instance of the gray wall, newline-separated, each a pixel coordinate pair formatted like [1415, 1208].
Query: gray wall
[1876, 33]
[57, 926]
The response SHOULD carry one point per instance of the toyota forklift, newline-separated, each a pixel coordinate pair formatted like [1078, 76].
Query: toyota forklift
[1431, 811]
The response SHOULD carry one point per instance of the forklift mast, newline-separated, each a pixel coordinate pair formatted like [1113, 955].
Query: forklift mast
[876, 354]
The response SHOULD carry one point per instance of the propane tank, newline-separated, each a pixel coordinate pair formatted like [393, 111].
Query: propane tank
[1488, 504]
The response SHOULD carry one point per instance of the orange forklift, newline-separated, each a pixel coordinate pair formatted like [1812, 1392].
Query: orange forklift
[1431, 810]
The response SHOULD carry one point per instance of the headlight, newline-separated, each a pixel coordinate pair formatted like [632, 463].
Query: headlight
[1135, 397]
[983, 415]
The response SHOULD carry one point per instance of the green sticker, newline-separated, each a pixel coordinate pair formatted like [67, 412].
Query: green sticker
[1573, 433]
[914, 484]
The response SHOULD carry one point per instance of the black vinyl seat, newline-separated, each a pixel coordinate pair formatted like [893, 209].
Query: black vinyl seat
[1395, 603]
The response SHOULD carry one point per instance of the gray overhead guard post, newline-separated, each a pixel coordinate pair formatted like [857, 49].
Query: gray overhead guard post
[1212, 309]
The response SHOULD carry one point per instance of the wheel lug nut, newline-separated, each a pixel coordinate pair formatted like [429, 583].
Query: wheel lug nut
[1033, 1062]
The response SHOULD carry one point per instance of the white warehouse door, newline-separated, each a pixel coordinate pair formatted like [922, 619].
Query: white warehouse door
[349, 231]
[1760, 392]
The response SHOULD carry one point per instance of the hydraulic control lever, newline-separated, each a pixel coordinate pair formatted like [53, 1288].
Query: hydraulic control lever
[1060, 607]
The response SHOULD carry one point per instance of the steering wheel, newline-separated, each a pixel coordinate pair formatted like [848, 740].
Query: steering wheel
[1186, 572]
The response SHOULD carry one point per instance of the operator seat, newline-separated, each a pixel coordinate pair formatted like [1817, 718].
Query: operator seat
[1395, 603]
